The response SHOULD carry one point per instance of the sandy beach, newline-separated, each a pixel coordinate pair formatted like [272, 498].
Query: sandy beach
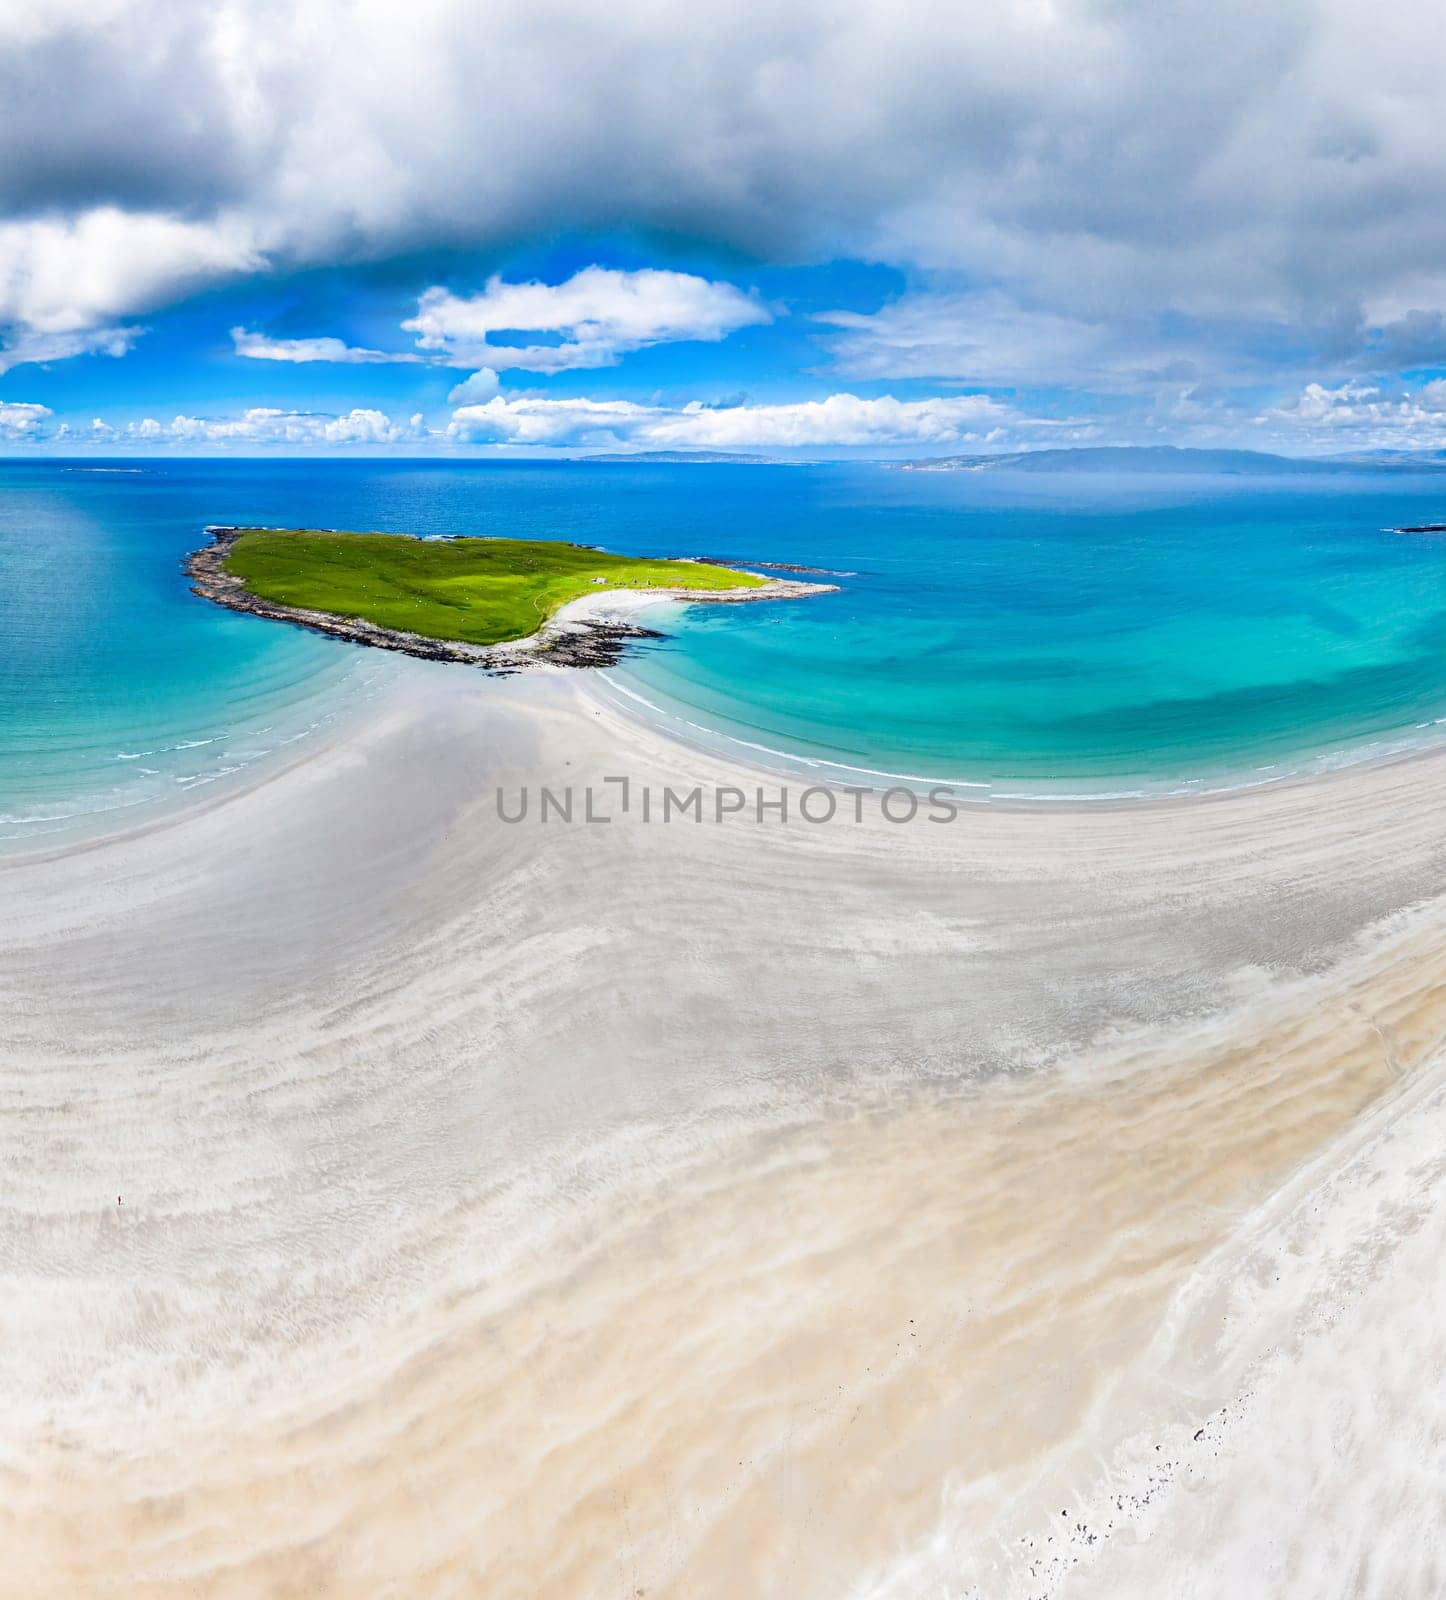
[1048, 1202]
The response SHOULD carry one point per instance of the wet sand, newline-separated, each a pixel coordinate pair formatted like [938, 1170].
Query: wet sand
[712, 1210]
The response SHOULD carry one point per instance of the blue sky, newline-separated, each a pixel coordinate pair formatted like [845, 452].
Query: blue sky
[817, 229]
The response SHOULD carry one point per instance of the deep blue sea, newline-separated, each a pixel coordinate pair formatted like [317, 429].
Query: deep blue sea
[1041, 634]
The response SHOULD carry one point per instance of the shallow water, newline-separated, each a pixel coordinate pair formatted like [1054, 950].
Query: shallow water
[1083, 634]
[1061, 634]
[119, 690]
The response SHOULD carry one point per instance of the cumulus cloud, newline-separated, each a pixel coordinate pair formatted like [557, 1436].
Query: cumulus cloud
[841, 421]
[599, 313]
[266, 425]
[62, 275]
[25, 348]
[549, 422]
[1085, 161]
[1365, 415]
[64, 281]
[482, 385]
[261, 348]
[142, 106]
[22, 420]
[594, 317]
[1088, 151]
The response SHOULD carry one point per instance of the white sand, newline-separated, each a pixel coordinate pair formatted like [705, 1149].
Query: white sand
[718, 1210]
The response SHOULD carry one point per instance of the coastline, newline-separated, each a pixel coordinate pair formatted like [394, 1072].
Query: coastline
[591, 631]
[503, 1234]
[245, 753]
[777, 762]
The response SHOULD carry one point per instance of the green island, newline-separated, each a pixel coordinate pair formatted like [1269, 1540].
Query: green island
[472, 590]
[499, 604]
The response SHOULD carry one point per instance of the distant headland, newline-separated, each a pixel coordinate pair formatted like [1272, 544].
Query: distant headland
[1174, 459]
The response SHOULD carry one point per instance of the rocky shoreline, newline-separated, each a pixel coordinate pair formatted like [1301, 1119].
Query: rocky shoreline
[588, 632]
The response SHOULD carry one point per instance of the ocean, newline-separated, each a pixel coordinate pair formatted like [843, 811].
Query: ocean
[1033, 634]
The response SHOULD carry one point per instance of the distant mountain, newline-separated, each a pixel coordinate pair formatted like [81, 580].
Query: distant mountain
[1160, 458]
[706, 456]
[1416, 459]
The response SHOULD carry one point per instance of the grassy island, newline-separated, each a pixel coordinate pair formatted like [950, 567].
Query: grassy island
[475, 591]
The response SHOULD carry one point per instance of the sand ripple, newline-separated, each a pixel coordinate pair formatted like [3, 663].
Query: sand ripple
[702, 1213]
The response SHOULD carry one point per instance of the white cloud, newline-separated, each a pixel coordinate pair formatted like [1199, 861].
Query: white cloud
[482, 385]
[549, 422]
[1087, 155]
[64, 281]
[266, 425]
[26, 348]
[1088, 158]
[599, 313]
[987, 337]
[22, 420]
[1347, 404]
[261, 348]
[842, 421]
[70, 275]
[596, 316]
[1365, 416]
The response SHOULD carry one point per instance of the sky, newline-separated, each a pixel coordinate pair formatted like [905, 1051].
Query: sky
[801, 229]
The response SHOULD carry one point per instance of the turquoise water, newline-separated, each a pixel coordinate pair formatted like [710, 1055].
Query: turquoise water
[1083, 634]
[1060, 634]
